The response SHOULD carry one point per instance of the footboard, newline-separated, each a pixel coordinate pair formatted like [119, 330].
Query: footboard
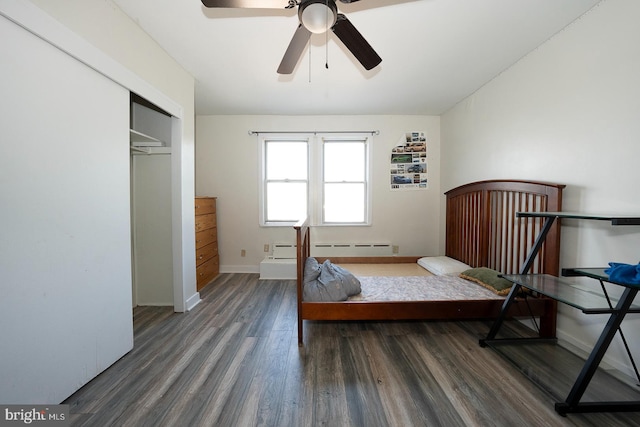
[303, 249]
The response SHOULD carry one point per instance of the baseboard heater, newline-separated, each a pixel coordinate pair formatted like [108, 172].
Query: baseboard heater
[282, 263]
[288, 250]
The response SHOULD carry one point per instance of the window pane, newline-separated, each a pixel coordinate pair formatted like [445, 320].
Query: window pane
[286, 201]
[286, 160]
[344, 161]
[344, 203]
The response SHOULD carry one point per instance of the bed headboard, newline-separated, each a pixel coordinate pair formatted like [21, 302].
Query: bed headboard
[482, 229]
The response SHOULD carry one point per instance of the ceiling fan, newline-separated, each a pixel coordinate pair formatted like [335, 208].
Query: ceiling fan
[315, 16]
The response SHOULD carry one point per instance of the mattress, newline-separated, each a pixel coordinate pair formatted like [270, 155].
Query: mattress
[394, 269]
[420, 288]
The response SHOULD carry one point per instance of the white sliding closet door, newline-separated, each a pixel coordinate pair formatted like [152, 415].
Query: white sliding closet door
[65, 244]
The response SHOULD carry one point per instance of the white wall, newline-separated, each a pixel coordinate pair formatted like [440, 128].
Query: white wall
[105, 26]
[227, 167]
[151, 215]
[65, 270]
[568, 113]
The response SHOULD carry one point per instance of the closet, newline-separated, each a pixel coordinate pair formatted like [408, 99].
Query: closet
[151, 213]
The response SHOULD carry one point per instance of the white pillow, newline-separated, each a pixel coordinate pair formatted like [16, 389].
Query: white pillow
[443, 265]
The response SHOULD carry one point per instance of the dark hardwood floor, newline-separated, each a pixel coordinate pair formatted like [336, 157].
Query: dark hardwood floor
[234, 361]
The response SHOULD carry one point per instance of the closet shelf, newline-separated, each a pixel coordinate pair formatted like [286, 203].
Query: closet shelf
[139, 139]
[149, 150]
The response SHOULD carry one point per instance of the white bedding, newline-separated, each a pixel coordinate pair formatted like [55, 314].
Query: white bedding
[420, 288]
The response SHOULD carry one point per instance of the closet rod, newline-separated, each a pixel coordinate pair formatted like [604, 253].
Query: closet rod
[314, 132]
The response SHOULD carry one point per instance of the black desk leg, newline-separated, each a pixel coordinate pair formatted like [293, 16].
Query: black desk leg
[537, 245]
[502, 315]
[572, 403]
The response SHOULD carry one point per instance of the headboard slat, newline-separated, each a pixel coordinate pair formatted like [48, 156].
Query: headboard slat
[484, 213]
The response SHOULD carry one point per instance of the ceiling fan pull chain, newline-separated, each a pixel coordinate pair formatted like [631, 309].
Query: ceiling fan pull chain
[326, 40]
[309, 45]
[326, 63]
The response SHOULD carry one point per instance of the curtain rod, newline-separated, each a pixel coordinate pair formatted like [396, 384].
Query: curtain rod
[314, 132]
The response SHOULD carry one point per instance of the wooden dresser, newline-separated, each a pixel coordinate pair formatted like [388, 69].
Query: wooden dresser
[207, 261]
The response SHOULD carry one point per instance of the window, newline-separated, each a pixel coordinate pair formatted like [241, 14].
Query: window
[344, 181]
[286, 183]
[323, 176]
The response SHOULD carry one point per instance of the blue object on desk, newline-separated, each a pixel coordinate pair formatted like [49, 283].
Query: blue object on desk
[624, 273]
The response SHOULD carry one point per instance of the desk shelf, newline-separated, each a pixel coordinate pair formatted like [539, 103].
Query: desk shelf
[567, 292]
[614, 219]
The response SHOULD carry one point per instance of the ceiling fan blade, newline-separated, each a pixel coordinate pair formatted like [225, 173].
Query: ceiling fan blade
[354, 41]
[294, 51]
[251, 4]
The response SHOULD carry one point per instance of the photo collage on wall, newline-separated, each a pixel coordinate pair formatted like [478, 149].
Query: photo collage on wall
[409, 163]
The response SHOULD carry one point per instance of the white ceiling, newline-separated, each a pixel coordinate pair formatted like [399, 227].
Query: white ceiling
[434, 52]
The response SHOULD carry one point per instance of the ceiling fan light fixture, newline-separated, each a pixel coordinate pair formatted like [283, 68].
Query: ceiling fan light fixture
[318, 16]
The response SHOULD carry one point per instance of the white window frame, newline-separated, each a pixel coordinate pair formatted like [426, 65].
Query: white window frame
[315, 186]
[264, 139]
[333, 138]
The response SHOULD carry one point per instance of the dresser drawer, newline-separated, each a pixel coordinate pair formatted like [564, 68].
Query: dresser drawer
[206, 252]
[205, 205]
[204, 222]
[206, 237]
[207, 271]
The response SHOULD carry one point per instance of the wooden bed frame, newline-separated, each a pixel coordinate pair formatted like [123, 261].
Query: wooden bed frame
[482, 231]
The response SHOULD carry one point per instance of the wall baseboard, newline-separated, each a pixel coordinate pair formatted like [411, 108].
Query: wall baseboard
[239, 269]
[193, 301]
[620, 369]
